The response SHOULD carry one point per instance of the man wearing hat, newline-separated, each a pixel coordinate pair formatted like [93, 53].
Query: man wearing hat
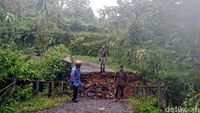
[75, 81]
[121, 80]
[102, 58]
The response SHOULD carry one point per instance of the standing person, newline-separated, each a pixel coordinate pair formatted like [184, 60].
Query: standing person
[102, 58]
[75, 80]
[121, 80]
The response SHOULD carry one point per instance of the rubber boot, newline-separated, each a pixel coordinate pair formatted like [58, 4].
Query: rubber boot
[75, 100]
[103, 69]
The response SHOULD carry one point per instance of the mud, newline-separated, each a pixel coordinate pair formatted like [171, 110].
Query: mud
[102, 85]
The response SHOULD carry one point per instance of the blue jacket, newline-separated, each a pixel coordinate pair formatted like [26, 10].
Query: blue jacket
[75, 76]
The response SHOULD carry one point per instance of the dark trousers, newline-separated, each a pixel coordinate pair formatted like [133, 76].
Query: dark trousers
[75, 93]
[120, 89]
[102, 63]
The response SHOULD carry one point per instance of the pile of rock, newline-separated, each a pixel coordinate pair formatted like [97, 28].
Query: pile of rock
[97, 85]
[102, 85]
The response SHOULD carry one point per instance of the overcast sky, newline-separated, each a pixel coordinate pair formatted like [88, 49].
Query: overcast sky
[98, 4]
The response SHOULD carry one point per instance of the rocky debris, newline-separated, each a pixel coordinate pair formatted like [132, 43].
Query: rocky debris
[102, 85]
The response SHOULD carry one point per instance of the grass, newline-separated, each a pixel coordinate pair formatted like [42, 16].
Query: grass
[111, 62]
[86, 58]
[146, 105]
[36, 103]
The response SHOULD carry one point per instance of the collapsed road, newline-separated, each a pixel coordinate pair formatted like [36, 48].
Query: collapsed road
[97, 92]
[102, 85]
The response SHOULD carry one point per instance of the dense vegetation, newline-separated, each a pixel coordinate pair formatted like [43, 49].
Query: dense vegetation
[157, 38]
[146, 105]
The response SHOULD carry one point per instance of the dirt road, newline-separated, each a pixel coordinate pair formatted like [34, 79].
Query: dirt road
[89, 67]
[88, 105]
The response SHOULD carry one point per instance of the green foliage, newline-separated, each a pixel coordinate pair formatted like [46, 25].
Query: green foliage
[175, 90]
[33, 104]
[52, 62]
[80, 9]
[77, 26]
[86, 58]
[147, 105]
[48, 66]
[23, 92]
[192, 99]
[158, 39]
[111, 63]
[88, 43]
[91, 37]
[12, 64]
[60, 37]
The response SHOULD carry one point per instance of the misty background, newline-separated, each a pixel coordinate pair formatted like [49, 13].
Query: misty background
[158, 38]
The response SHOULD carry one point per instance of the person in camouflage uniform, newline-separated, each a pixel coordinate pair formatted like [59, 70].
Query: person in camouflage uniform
[121, 80]
[102, 58]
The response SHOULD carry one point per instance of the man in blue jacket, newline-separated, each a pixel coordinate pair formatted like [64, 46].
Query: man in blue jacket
[75, 81]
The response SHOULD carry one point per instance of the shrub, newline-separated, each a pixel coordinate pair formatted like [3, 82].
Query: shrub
[192, 99]
[147, 105]
[175, 90]
[51, 64]
[12, 64]
[60, 37]
[88, 43]
[47, 66]
[23, 92]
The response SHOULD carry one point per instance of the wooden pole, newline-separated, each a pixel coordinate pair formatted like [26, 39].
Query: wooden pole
[61, 88]
[50, 89]
[159, 93]
[134, 90]
[41, 86]
[33, 87]
[14, 81]
[37, 86]
[52, 83]
[140, 90]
